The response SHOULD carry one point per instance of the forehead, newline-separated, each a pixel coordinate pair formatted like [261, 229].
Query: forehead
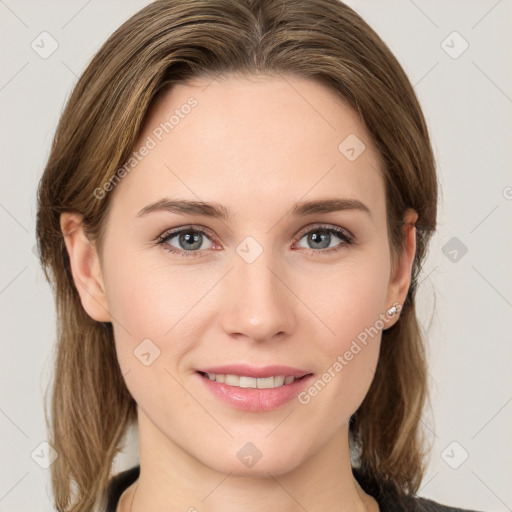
[245, 141]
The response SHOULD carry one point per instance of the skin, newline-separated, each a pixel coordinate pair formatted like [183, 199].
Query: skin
[256, 145]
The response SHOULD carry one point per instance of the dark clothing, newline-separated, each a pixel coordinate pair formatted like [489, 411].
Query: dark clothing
[387, 499]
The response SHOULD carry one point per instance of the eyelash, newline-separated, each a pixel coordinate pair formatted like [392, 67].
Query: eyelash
[344, 235]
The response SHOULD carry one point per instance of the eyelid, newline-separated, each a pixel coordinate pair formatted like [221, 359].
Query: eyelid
[190, 227]
[326, 227]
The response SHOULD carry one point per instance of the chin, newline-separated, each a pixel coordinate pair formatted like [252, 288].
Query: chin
[260, 469]
[252, 460]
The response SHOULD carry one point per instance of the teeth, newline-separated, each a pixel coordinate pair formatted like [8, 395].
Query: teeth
[251, 382]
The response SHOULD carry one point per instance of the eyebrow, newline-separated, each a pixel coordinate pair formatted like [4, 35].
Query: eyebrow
[301, 209]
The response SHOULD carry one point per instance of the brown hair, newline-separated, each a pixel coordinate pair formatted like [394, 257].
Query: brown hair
[168, 42]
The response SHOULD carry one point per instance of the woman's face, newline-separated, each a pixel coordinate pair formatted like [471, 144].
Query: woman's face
[269, 284]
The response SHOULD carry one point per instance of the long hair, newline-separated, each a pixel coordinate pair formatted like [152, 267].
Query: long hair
[169, 42]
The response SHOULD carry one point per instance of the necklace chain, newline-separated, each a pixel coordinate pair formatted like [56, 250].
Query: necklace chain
[133, 497]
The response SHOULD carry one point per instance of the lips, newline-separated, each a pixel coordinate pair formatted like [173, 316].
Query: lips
[256, 372]
[250, 399]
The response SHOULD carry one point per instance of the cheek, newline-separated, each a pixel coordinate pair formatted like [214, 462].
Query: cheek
[349, 298]
[149, 301]
[350, 304]
[145, 295]
[152, 332]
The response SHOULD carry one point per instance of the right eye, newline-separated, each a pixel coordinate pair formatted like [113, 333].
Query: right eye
[189, 240]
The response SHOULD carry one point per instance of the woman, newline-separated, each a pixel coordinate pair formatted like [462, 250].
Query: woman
[234, 215]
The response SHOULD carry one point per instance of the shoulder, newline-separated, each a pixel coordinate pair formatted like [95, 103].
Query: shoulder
[420, 504]
[117, 485]
[390, 500]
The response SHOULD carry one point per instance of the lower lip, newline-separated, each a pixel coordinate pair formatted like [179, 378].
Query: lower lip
[255, 400]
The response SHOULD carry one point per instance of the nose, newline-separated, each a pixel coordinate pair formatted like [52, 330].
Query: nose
[257, 302]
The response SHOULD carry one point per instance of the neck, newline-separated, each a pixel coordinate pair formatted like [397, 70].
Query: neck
[172, 479]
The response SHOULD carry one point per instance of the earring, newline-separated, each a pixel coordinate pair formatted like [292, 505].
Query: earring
[392, 311]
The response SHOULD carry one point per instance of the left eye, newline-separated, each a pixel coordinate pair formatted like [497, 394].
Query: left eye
[321, 238]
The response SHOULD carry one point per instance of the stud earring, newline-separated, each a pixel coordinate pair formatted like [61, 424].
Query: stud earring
[393, 310]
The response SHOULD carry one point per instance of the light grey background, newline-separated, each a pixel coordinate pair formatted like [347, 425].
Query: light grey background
[465, 300]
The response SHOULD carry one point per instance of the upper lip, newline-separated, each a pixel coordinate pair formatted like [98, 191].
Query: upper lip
[256, 372]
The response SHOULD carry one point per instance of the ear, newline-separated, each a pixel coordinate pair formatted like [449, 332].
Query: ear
[85, 267]
[400, 280]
